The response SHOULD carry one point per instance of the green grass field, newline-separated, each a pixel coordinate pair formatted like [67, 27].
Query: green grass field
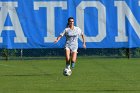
[91, 75]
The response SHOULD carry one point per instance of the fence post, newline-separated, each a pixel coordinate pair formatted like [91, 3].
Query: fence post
[5, 53]
[128, 53]
[21, 53]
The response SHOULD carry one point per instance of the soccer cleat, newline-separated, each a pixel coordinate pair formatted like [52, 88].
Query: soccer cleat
[68, 66]
[73, 64]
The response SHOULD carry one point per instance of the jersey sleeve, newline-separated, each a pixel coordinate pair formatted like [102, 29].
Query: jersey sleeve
[63, 33]
[80, 32]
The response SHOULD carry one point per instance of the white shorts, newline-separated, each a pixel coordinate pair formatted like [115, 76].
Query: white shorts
[74, 50]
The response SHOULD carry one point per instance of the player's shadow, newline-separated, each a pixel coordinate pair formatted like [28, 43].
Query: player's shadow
[25, 75]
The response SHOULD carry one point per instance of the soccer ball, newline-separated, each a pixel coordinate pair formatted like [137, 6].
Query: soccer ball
[67, 72]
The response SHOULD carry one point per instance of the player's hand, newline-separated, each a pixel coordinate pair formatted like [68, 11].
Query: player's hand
[84, 46]
[56, 41]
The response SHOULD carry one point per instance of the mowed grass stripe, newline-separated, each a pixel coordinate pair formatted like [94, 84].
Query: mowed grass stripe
[91, 75]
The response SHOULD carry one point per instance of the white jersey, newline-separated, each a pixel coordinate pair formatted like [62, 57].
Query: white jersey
[72, 37]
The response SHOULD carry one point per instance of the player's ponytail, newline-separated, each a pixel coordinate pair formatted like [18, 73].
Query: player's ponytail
[67, 25]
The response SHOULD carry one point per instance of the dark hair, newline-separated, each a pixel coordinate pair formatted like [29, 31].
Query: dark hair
[69, 20]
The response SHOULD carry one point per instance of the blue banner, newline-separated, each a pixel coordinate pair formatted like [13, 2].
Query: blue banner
[37, 23]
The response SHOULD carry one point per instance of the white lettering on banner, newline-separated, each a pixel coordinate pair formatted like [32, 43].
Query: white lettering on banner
[9, 8]
[125, 12]
[101, 19]
[50, 16]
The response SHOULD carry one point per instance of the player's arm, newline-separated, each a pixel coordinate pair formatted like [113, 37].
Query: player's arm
[84, 43]
[58, 38]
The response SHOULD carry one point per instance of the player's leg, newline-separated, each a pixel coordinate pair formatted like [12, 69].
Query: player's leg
[67, 54]
[73, 59]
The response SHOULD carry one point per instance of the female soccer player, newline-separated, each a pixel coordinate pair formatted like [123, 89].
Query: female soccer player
[71, 33]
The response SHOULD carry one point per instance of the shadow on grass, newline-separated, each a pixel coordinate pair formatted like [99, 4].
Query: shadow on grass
[24, 75]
